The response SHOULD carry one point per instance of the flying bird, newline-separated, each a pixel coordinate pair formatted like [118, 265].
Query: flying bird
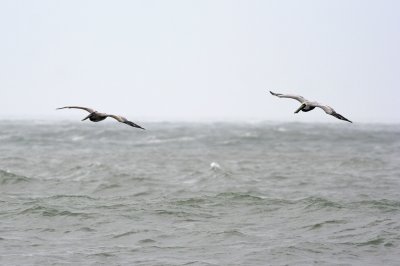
[307, 105]
[95, 116]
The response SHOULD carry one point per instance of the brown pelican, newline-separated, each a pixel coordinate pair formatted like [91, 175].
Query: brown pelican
[307, 106]
[95, 116]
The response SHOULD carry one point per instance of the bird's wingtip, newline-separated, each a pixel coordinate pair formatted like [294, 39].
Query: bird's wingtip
[133, 125]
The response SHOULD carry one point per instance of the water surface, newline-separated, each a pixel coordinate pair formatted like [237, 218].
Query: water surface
[199, 194]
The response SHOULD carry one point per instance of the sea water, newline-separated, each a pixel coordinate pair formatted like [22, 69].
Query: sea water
[76, 193]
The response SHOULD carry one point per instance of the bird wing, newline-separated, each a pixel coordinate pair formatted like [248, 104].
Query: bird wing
[299, 98]
[90, 110]
[330, 111]
[125, 121]
[339, 116]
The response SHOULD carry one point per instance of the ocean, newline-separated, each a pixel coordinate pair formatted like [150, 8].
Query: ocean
[81, 193]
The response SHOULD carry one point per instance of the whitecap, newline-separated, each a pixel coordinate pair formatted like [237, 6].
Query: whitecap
[215, 166]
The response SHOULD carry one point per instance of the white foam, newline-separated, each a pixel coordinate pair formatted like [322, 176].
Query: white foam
[215, 166]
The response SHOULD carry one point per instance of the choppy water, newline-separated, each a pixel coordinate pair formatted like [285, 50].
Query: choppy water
[199, 194]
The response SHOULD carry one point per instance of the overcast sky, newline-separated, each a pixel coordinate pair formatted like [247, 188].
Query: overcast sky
[200, 60]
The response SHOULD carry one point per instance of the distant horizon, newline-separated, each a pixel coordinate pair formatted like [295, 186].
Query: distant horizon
[205, 120]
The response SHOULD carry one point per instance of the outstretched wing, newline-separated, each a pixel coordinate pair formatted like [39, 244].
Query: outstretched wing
[125, 121]
[90, 110]
[339, 116]
[330, 111]
[327, 109]
[130, 123]
[299, 98]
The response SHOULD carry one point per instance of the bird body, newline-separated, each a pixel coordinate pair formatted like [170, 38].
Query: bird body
[95, 116]
[307, 105]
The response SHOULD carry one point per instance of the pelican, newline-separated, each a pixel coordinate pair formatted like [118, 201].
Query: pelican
[95, 116]
[307, 105]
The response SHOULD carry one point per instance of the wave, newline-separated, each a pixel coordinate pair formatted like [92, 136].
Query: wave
[382, 204]
[7, 177]
[372, 242]
[240, 196]
[147, 241]
[375, 241]
[319, 203]
[325, 223]
[128, 233]
[53, 212]
[232, 198]
[232, 233]
[71, 197]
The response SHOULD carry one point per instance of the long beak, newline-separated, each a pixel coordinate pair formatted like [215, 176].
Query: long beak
[86, 117]
[301, 107]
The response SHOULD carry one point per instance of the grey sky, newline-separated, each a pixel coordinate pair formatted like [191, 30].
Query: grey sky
[196, 60]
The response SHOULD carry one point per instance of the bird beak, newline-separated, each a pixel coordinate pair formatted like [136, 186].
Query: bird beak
[86, 117]
[301, 107]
